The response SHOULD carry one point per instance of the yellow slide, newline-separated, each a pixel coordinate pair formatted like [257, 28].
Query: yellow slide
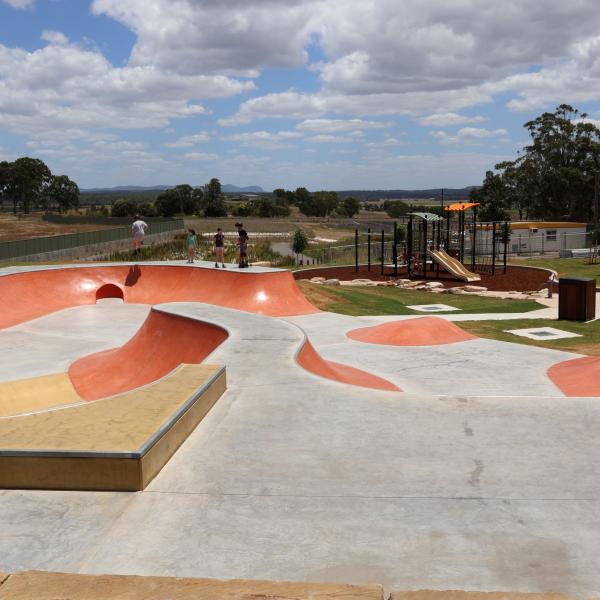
[453, 266]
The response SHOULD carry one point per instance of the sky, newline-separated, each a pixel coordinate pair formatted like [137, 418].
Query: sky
[335, 95]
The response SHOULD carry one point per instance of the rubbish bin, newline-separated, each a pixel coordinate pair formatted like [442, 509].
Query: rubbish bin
[577, 298]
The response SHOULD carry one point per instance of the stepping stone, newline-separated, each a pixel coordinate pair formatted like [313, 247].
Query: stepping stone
[543, 333]
[432, 307]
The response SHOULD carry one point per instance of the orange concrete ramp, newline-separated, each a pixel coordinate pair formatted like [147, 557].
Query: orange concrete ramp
[424, 331]
[312, 361]
[577, 377]
[32, 294]
[162, 343]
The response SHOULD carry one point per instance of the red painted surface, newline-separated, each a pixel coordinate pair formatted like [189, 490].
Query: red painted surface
[424, 331]
[29, 295]
[161, 344]
[577, 377]
[109, 290]
[312, 361]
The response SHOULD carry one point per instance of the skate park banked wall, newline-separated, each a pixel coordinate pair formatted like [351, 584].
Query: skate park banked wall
[31, 294]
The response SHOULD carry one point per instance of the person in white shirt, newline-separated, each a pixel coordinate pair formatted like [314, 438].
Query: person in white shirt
[138, 229]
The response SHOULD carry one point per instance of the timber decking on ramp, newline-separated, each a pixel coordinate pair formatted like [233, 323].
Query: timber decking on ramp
[118, 443]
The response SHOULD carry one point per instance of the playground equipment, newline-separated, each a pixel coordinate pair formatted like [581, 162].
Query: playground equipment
[430, 246]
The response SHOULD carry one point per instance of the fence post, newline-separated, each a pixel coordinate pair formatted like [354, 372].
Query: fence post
[494, 248]
[382, 248]
[505, 234]
[356, 250]
[395, 249]
[369, 249]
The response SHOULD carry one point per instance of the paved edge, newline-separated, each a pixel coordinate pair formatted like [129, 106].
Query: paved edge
[49, 586]
[462, 595]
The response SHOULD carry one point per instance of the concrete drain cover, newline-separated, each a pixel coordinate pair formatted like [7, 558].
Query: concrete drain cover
[543, 333]
[432, 307]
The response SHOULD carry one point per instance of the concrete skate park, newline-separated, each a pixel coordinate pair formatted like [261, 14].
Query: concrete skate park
[176, 420]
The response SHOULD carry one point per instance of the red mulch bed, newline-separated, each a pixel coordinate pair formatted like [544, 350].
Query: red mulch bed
[520, 279]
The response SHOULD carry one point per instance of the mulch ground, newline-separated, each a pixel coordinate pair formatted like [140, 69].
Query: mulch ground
[520, 279]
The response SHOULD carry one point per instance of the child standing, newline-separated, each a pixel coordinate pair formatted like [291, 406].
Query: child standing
[243, 244]
[220, 248]
[192, 240]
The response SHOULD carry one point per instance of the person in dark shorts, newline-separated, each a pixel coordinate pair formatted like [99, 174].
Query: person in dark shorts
[220, 248]
[243, 244]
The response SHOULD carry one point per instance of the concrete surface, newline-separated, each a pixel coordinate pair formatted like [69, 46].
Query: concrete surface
[481, 476]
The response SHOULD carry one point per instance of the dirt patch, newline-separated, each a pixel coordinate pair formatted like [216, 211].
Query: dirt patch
[32, 226]
[319, 295]
[520, 279]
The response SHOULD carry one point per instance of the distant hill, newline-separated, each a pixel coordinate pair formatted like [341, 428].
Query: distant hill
[126, 188]
[449, 194]
[227, 188]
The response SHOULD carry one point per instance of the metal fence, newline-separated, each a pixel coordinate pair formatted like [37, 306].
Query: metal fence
[57, 243]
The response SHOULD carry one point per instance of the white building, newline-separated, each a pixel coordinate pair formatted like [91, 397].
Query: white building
[535, 237]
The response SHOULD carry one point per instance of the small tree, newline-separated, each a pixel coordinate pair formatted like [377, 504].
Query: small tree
[123, 208]
[351, 206]
[63, 192]
[300, 242]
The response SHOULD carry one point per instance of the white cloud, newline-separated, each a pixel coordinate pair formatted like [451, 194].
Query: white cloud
[470, 135]
[265, 139]
[55, 37]
[236, 37]
[327, 138]
[340, 125]
[200, 156]
[190, 140]
[66, 86]
[389, 142]
[447, 120]
[20, 4]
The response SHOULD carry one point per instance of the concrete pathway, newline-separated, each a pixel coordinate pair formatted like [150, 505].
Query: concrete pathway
[450, 485]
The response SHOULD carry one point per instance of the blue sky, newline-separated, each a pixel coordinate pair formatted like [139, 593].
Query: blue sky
[376, 94]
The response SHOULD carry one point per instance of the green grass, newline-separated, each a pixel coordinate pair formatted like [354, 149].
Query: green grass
[576, 267]
[589, 343]
[358, 301]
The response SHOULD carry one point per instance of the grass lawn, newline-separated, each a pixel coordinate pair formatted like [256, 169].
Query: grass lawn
[575, 267]
[357, 301]
[496, 330]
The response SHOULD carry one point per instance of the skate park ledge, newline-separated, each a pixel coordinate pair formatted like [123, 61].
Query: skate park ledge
[119, 443]
[49, 586]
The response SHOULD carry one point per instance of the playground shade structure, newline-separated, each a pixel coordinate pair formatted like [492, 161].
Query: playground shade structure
[423, 331]
[453, 266]
[26, 296]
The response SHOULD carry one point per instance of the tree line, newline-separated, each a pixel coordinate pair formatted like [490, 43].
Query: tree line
[209, 201]
[28, 183]
[554, 177]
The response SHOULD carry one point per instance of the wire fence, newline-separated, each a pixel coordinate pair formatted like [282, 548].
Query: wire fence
[57, 243]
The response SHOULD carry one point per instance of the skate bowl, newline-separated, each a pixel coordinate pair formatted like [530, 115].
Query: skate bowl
[422, 331]
[35, 293]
